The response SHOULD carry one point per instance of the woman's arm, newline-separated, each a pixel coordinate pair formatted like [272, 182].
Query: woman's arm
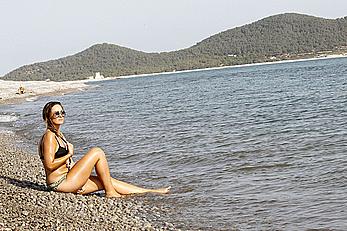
[49, 149]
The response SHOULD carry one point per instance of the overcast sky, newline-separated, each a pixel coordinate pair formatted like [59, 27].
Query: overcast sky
[40, 30]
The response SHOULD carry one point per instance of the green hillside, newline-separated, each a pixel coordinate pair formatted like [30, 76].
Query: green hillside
[276, 35]
[284, 36]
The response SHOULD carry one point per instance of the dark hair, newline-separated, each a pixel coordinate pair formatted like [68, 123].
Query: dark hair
[46, 115]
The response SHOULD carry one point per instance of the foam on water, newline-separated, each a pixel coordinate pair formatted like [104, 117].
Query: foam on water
[8, 118]
[6, 131]
[31, 99]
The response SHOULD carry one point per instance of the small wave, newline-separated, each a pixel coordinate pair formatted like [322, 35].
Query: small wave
[7, 118]
[5, 131]
[256, 167]
[31, 99]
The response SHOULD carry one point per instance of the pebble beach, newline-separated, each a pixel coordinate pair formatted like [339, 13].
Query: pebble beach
[26, 204]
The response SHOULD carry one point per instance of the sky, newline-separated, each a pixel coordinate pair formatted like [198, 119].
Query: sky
[40, 30]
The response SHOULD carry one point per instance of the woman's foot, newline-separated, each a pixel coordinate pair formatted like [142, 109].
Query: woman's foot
[161, 190]
[113, 195]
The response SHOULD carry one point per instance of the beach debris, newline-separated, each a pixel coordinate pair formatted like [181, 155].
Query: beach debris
[21, 90]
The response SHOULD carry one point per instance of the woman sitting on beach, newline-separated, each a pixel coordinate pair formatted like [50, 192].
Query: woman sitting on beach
[63, 175]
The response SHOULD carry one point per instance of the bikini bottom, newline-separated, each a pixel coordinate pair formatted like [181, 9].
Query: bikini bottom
[54, 186]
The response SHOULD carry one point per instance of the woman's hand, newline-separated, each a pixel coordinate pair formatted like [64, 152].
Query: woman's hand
[70, 148]
[69, 163]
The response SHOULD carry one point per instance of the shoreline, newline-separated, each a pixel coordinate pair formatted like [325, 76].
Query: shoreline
[223, 67]
[27, 205]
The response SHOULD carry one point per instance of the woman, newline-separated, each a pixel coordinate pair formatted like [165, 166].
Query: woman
[63, 175]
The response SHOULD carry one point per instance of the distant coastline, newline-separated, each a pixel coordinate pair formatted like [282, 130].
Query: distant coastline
[34, 89]
[226, 67]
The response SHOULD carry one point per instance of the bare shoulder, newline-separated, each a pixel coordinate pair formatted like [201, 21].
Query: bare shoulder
[49, 145]
[48, 137]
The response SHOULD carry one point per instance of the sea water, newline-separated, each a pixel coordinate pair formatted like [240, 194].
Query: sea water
[247, 148]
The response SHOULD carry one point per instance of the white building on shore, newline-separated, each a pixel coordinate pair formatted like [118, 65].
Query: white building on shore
[97, 76]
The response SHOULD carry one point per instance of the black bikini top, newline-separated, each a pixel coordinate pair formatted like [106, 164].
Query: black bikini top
[62, 151]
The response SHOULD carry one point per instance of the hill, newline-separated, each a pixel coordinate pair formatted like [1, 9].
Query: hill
[278, 37]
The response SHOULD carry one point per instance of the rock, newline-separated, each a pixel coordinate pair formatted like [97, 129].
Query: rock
[25, 213]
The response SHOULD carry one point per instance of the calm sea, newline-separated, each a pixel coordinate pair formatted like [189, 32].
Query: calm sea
[246, 148]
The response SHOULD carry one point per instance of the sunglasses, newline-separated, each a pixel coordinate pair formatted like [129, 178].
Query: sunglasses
[57, 114]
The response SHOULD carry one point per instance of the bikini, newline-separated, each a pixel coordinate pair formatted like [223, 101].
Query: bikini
[62, 151]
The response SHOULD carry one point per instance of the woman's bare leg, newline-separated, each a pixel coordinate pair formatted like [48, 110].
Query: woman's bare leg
[126, 188]
[81, 171]
[94, 184]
